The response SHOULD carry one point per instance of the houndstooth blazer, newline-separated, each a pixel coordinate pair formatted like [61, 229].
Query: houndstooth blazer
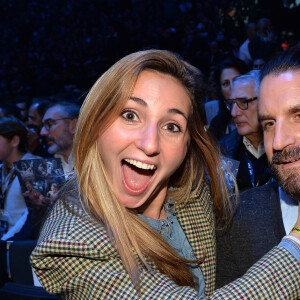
[75, 259]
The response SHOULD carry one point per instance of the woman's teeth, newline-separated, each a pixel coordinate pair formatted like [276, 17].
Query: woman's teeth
[139, 164]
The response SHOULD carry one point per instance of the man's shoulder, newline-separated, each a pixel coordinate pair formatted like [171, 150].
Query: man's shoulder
[268, 190]
[231, 143]
[258, 203]
[30, 156]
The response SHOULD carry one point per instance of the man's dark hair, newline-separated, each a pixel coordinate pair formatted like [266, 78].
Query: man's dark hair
[24, 99]
[69, 109]
[42, 105]
[10, 127]
[288, 60]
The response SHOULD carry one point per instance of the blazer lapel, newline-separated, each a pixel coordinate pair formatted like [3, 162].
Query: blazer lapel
[198, 222]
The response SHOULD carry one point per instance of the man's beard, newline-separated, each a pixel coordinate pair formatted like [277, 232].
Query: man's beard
[288, 179]
[61, 144]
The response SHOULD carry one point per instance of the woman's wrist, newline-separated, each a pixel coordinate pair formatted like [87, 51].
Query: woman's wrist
[296, 229]
[295, 235]
[294, 238]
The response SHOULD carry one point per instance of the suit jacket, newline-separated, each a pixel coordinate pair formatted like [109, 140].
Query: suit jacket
[232, 146]
[256, 228]
[75, 259]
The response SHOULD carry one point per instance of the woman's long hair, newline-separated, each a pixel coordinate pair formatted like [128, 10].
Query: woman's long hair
[137, 243]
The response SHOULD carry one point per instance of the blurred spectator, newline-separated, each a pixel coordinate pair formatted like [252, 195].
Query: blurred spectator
[244, 50]
[223, 77]
[13, 144]
[36, 112]
[59, 125]
[258, 63]
[235, 48]
[216, 54]
[23, 103]
[265, 43]
[245, 144]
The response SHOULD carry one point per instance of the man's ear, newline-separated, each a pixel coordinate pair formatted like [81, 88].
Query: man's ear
[15, 141]
[72, 126]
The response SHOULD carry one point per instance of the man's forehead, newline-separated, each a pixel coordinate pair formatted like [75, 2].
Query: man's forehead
[279, 92]
[33, 109]
[53, 113]
[243, 87]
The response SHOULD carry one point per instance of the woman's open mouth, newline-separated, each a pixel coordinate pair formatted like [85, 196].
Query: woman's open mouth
[136, 175]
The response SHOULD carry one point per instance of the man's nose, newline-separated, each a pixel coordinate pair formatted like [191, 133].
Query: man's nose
[283, 136]
[148, 140]
[235, 110]
[44, 131]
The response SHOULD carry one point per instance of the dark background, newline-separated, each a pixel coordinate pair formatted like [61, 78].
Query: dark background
[56, 47]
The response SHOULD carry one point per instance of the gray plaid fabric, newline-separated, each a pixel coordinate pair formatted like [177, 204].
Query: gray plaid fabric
[75, 259]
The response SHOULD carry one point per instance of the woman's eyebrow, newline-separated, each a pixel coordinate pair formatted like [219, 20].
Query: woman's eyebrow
[171, 110]
[177, 111]
[139, 100]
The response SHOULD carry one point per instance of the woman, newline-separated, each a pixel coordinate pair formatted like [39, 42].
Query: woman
[227, 71]
[144, 223]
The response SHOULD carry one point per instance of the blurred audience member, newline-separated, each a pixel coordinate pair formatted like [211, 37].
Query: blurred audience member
[216, 55]
[244, 50]
[13, 144]
[58, 129]
[36, 113]
[245, 143]
[226, 72]
[23, 103]
[258, 63]
[235, 48]
[265, 43]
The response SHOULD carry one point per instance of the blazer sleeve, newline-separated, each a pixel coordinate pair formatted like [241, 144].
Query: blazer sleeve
[78, 275]
[275, 276]
[75, 260]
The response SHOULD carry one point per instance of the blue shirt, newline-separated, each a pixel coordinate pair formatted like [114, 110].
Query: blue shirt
[291, 247]
[177, 240]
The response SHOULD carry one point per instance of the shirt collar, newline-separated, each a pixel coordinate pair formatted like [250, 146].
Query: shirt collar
[257, 153]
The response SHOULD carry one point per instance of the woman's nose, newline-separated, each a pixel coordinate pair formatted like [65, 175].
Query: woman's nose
[148, 140]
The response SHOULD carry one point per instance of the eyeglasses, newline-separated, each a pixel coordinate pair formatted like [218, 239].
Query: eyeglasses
[242, 103]
[50, 122]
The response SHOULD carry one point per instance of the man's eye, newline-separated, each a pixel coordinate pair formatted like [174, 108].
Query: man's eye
[172, 127]
[225, 83]
[267, 125]
[129, 116]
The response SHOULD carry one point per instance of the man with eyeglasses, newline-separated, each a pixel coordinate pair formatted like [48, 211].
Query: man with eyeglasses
[245, 144]
[58, 129]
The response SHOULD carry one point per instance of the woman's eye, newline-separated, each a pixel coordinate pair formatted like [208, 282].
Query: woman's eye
[225, 83]
[129, 116]
[172, 127]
